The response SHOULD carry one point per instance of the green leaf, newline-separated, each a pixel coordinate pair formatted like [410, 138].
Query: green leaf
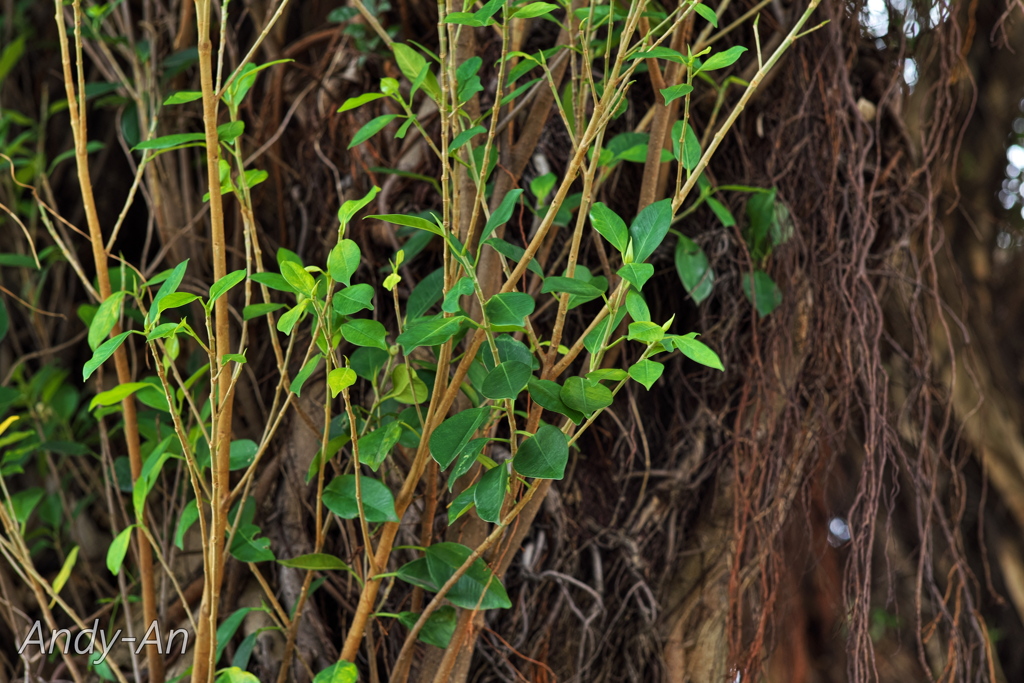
[236, 357]
[375, 447]
[637, 307]
[117, 394]
[696, 351]
[246, 547]
[360, 100]
[509, 309]
[463, 503]
[464, 137]
[506, 380]
[636, 274]
[761, 290]
[343, 261]
[378, 503]
[353, 299]
[24, 502]
[675, 92]
[340, 672]
[316, 562]
[541, 186]
[183, 96]
[413, 65]
[412, 222]
[724, 215]
[548, 394]
[176, 300]
[189, 515]
[559, 284]
[690, 153]
[646, 372]
[545, 454]
[660, 52]
[273, 281]
[367, 362]
[429, 332]
[452, 435]
[463, 287]
[234, 674]
[304, 373]
[298, 277]
[694, 271]
[407, 387]
[478, 586]
[224, 284]
[534, 9]
[606, 374]
[105, 319]
[502, 214]
[340, 379]
[257, 310]
[584, 397]
[649, 229]
[609, 225]
[351, 207]
[708, 14]
[439, 627]
[241, 454]
[286, 323]
[489, 493]
[169, 286]
[364, 332]
[102, 353]
[372, 128]
[229, 132]
[645, 332]
[65, 571]
[168, 141]
[514, 253]
[720, 60]
[466, 458]
[417, 574]
[118, 549]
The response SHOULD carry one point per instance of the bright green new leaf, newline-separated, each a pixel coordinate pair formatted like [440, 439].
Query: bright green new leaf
[351, 207]
[545, 454]
[224, 284]
[340, 672]
[534, 9]
[117, 394]
[340, 379]
[506, 380]
[645, 332]
[298, 277]
[378, 503]
[118, 549]
[176, 300]
[353, 102]
[364, 332]
[649, 229]
[234, 674]
[720, 60]
[415, 67]
[286, 323]
[707, 13]
[646, 372]
[407, 387]
[343, 260]
[65, 573]
[169, 285]
[452, 435]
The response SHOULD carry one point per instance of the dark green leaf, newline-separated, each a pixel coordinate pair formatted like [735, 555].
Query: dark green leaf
[489, 493]
[370, 129]
[477, 588]
[102, 353]
[636, 274]
[509, 309]
[514, 253]
[545, 454]
[439, 627]
[582, 396]
[694, 271]
[376, 446]
[502, 214]
[378, 503]
[761, 291]
[316, 561]
[430, 332]
[452, 435]
[548, 394]
[649, 229]
[353, 299]
[464, 137]
[506, 380]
